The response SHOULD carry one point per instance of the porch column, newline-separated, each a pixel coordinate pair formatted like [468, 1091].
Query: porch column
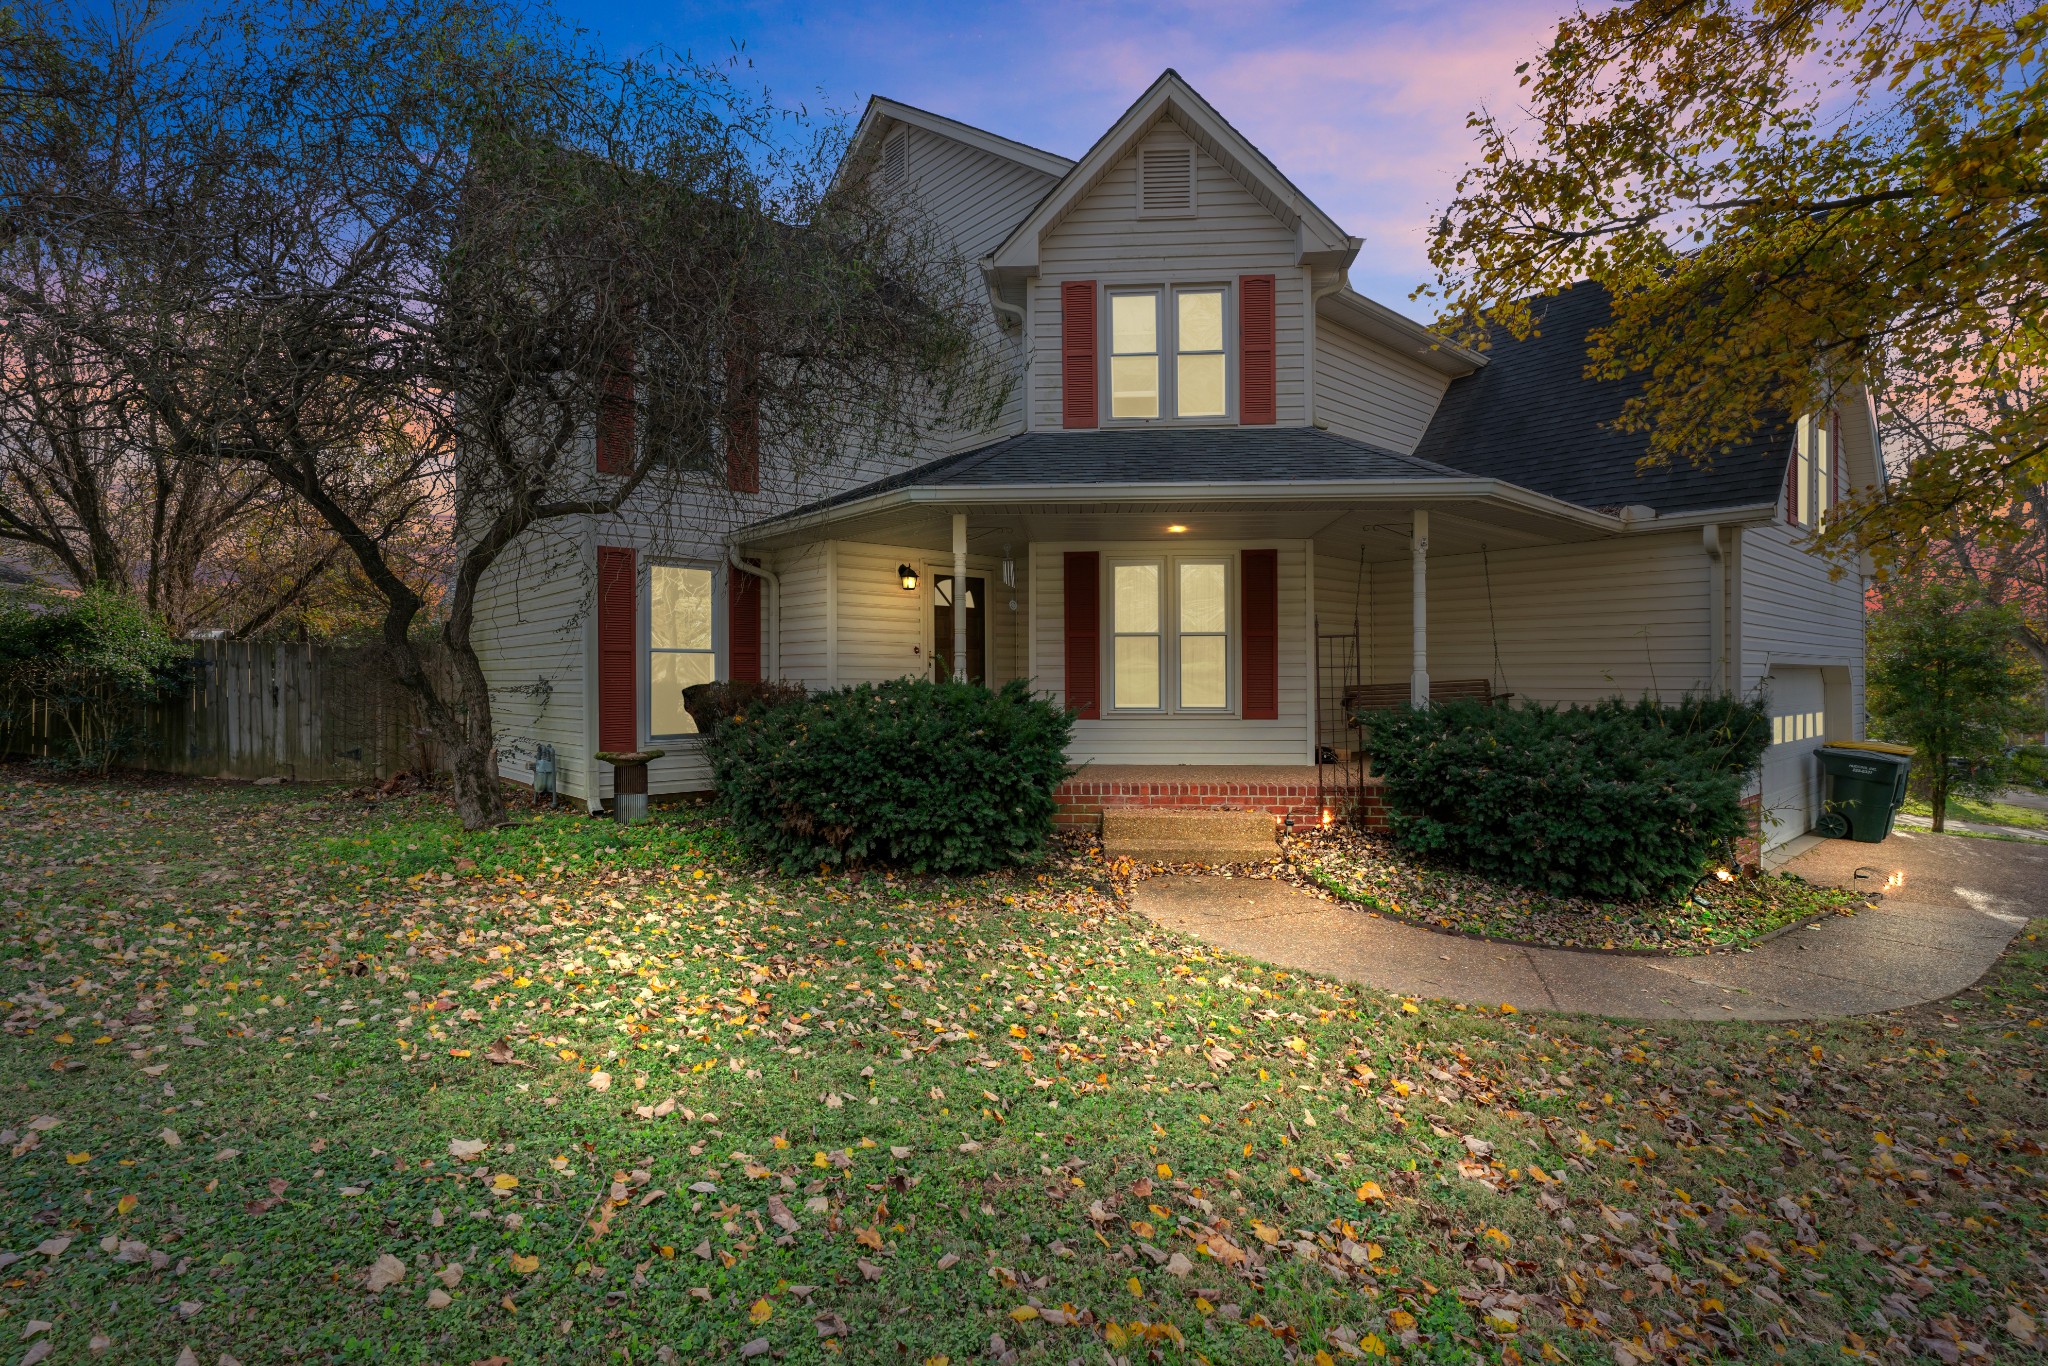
[960, 597]
[1418, 675]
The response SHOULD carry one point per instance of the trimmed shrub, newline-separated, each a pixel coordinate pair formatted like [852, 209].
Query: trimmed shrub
[933, 777]
[1618, 800]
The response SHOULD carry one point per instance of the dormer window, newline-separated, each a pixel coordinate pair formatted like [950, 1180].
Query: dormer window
[1167, 353]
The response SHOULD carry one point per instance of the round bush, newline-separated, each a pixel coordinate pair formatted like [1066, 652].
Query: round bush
[931, 777]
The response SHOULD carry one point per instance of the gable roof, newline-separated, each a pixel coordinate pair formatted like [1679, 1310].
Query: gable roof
[1319, 241]
[883, 113]
[1532, 417]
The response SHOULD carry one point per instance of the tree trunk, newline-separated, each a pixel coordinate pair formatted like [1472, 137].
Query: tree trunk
[1937, 790]
[462, 725]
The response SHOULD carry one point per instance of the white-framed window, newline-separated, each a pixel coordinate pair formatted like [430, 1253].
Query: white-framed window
[681, 642]
[1813, 470]
[1171, 622]
[1137, 614]
[1134, 370]
[1169, 353]
[1202, 649]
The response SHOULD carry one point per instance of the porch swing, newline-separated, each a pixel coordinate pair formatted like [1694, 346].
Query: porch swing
[1342, 764]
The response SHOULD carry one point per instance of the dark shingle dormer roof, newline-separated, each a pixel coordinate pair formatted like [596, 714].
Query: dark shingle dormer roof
[1532, 417]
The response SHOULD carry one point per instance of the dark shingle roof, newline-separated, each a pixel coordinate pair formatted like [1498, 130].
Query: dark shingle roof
[1152, 455]
[1531, 417]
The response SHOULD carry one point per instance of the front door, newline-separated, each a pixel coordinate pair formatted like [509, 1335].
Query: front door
[977, 628]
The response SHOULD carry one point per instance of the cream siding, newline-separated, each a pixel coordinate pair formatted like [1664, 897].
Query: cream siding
[804, 657]
[1185, 738]
[972, 199]
[1575, 623]
[530, 611]
[1102, 239]
[1792, 613]
[1369, 393]
[1801, 635]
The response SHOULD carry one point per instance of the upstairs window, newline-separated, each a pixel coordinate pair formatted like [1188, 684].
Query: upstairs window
[1812, 490]
[1147, 327]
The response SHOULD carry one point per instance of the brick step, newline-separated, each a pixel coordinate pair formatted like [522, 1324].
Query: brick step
[1156, 836]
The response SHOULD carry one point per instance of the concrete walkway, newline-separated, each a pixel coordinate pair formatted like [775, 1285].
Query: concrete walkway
[1961, 902]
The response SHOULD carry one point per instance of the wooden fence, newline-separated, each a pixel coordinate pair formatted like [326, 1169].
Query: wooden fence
[303, 712]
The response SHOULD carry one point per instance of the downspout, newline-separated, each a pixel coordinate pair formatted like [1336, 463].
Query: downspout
[1316, 295]
[772, 626]
[1717, 607]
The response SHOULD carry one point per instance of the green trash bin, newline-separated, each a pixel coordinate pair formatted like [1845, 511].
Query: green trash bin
[1866, 786]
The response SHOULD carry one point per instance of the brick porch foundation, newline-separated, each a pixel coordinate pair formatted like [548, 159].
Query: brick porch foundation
[1280, 791]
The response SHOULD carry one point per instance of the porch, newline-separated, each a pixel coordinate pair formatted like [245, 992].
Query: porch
[1205, 603]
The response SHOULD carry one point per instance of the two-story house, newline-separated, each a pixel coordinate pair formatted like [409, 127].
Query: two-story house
[1229, 492]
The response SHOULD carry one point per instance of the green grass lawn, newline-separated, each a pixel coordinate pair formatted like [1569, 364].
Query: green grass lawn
[292, 1077]
[1983, 812]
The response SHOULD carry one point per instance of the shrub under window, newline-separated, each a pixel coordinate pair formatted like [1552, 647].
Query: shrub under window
[1617, 799]
[934, 777]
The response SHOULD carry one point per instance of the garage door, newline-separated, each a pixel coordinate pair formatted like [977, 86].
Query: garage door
[1791, 777]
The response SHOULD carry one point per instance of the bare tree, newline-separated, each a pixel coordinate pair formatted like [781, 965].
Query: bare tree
[92, 485]
[468, 218]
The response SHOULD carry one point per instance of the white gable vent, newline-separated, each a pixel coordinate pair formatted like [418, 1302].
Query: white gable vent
[895, 167]
[1166, 182]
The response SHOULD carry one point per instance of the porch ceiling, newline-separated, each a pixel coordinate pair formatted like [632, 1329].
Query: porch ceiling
[1377, 527]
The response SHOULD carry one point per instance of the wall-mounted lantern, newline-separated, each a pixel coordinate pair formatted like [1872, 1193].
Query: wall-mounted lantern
[907, 577]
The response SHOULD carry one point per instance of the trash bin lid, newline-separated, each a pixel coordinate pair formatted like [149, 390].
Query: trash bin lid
[1876, 746]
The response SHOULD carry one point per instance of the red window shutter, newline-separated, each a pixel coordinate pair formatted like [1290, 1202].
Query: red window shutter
[742, 425]
[1258, 361]
[743, 625]
[1084, 633]
[1792, 489]
[1077, 354]
[616, 415]
[1259, 610]
[618, 650]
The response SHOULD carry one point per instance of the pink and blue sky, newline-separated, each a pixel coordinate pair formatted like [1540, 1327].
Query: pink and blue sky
[1362, 104]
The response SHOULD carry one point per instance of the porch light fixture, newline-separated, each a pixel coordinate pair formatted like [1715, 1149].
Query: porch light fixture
[1176, 528]
[907, 576]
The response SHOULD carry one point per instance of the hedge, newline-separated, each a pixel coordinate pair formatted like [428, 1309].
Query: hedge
[1616, 800]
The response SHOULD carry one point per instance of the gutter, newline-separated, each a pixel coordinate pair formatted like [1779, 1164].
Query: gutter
[1008, 495]
[1701, 517]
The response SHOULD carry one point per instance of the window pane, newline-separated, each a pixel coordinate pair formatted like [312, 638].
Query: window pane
[1134, 386]
[668, 675]
[1201, 320]
[1137, 671]
[1199, 392]
[1202, 679]
[680, 614]
[1133, 323]
[1137, 598]
[1201, 597]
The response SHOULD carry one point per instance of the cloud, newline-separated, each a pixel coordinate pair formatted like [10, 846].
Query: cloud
[1361, 104]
